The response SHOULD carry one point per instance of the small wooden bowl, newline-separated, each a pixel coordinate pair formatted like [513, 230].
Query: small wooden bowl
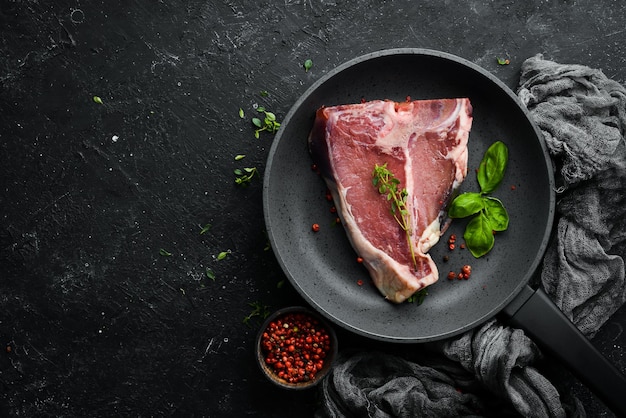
[269, 371]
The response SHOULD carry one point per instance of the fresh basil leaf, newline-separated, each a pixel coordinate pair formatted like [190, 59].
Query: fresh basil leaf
[492, 167]
[497, 214]
[479, 235]
[466, 204]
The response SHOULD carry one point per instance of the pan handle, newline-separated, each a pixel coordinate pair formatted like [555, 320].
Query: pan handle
[534, 312]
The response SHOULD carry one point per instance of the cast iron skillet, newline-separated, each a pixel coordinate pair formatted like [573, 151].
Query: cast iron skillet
[322, 266]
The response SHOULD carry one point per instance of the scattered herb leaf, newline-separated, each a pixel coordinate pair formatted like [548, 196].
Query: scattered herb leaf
[244, 176]
[241, 114]
[97, 99]
[239, 157]
[307, 65]
[223, 255]
[387, 184]
[205, 229]
[258, 310]
[164, 253]
[268, 123]
[268, 245]
[503, 61]
[210, 274]
[489, 213]
[264, 93]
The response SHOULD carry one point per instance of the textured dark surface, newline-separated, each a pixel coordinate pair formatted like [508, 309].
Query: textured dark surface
[94, 320]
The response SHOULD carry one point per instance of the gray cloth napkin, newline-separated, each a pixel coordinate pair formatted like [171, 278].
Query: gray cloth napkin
[582, 115]
[493, 369]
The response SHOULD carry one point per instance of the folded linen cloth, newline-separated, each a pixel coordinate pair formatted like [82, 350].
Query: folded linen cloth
[493, 369]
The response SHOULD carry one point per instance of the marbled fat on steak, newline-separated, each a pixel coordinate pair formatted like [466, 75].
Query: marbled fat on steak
[424, 144]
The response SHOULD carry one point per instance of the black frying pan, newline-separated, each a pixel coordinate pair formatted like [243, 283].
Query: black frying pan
[322, 266]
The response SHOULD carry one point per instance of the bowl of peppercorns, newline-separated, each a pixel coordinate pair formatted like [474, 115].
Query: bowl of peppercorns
[295, 348]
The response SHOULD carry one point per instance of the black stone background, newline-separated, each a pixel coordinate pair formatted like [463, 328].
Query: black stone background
[94, 320]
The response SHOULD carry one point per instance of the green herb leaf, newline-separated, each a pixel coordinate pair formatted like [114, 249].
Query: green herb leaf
[239, 157]
[503, 61]
[165, 253]
[479, 235]
[205, 229]
[223, 255]
[307, 65]
[387, 184]
[241, 114]
[466, 204]
[496, 213]
[268, 123]
[264, 93]
[490, 216]
[210, 274]
[97, 99]
[243, 178]
[492, 167]
[418, 297]
[258, 310]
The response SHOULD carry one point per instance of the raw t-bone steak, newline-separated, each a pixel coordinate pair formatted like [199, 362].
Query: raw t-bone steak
[424, 144]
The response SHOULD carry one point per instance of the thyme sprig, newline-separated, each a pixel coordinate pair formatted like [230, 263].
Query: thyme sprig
[258, 310]
[388, 185]
[244, 176]
[268, 123]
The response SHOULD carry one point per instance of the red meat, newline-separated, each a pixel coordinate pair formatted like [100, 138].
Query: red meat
[424, 144]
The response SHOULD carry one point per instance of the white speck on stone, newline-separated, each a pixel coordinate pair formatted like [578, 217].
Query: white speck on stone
[114, 138]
